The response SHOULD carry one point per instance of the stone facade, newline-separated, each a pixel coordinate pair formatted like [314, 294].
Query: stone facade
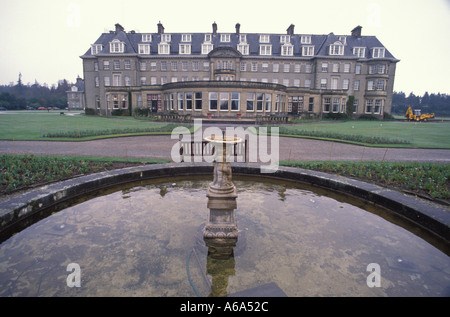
[234, 75]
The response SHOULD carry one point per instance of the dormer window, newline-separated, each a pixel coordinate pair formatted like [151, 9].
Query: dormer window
[163, 48]
[264, 39]
[359, 51]
[285, 39]
[265, 50]
[378, 52]
[185, 49]
[166, 38]
[305, 39]
[186, 38]
[96, 49]
[308, 50]
[206, 48]
[287, 50]
[225, 37]
[337, 48]
[243, 48]
[116, 46]
[207, 37]
[242, 38]
[343, 40]
[146, 37]
[144, 48]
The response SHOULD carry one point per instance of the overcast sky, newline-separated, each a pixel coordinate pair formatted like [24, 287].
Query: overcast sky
[44, 39]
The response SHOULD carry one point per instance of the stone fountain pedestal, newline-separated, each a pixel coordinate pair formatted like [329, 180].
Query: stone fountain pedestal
[221, 232]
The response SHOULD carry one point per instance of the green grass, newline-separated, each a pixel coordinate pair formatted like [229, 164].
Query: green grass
[431, 180]
[19, 172]
[43, 125]
[410, 134]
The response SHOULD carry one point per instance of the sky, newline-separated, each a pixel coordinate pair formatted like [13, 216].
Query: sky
[44, 39]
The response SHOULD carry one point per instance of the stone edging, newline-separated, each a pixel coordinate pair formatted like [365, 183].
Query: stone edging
[18, 208]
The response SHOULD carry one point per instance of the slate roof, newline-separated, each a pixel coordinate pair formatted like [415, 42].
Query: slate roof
[320, 42]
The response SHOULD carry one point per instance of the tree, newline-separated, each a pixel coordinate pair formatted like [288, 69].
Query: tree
[350, 107]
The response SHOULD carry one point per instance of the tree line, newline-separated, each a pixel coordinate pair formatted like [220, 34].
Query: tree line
[20, 96]
[439, 104]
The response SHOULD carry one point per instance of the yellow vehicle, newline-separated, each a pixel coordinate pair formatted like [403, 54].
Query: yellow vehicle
[417, 115]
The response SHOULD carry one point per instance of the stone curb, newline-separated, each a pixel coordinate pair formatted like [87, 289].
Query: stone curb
[21, 207]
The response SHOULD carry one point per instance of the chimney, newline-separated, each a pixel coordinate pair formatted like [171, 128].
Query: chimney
[238, 28]
[357, 31]
[214, 26]
[290, 30]
[119, 28]
[160, 28]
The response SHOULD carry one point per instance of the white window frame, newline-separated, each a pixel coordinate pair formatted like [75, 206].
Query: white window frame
[186, 38]
[225, 38]
[184, 49]
[243, 48]
[337, 48]
[242, 38]
[146, 38]
[359, 51]
[206, 48]
[207, 38]
[163, 49]
[166, 38]
[265, 49]
[144, 49]
[308, 50]
[286, 39]
[96, 49]
[305, 39]
[264, 38]
[287, 49]
[116, 46]
[378, 52]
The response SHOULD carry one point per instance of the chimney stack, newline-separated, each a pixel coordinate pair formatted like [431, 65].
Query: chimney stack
[160, 28]
[290, 30]
[238, 28]
[214, 26]
[119, 28]
[357, 31]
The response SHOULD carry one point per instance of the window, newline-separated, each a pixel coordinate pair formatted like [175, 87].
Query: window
[356, 85]
[378, 52]
[311, 104]
[337, 48]
[259, 101]
[334, 83]
[268, 102]
[264, 39]
[250, 101]
[265, 50]
[146, 37]
[213, 101]
[285, 39]
[198, 101]
[142, 66]
[127, 64]
[224, 102]
[307, 83]
[359, 51]
[242, 38]
[243, 67]
[185, 49]
[378, 104]
[153, 66]
[297, 68]
[166, 38]
[153, 80]
[143, 80]
[163, 66]
[381, 69]
[305, 39]
[335, 68]
[206, 66]
[225, 37]
[358, 69]
[96, 49]
[116, 80]
[207, 37]
[286, 68]
[346, 68]
[195, 65]
[308, 50]
[265, 67]
[372, 69]
[326, 104]
[287, 50]
[243, 48]
[355, 105]
[254, 67]
[163, 48]
[235, 101]
[206, 48]
[371, 85]
[97, 82]
[174, 65]
[144, 48]
[107, 81]
[116, 64]
[163, 80]
[180, 100]
[276, 68]
[336, 104]
[324, 67]
[174, 79]
[369, 105]
[116, 46]
[188, 99]
[345, 84]
[308, 68]
[105, 65]
[127, 81]
[186, 38]
[323, 83]
[380, 84]
[286, 82]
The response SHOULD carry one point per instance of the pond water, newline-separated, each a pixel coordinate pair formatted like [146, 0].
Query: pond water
[145, 240]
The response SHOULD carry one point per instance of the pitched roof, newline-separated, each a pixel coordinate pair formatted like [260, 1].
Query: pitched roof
[321, 43]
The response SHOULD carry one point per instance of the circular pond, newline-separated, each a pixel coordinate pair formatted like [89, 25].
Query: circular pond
[144, 239]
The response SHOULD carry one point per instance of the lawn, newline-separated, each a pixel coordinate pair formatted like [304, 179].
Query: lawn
[418, 135]
[38, 125]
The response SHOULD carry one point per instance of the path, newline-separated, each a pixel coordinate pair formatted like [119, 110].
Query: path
[159, 146]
